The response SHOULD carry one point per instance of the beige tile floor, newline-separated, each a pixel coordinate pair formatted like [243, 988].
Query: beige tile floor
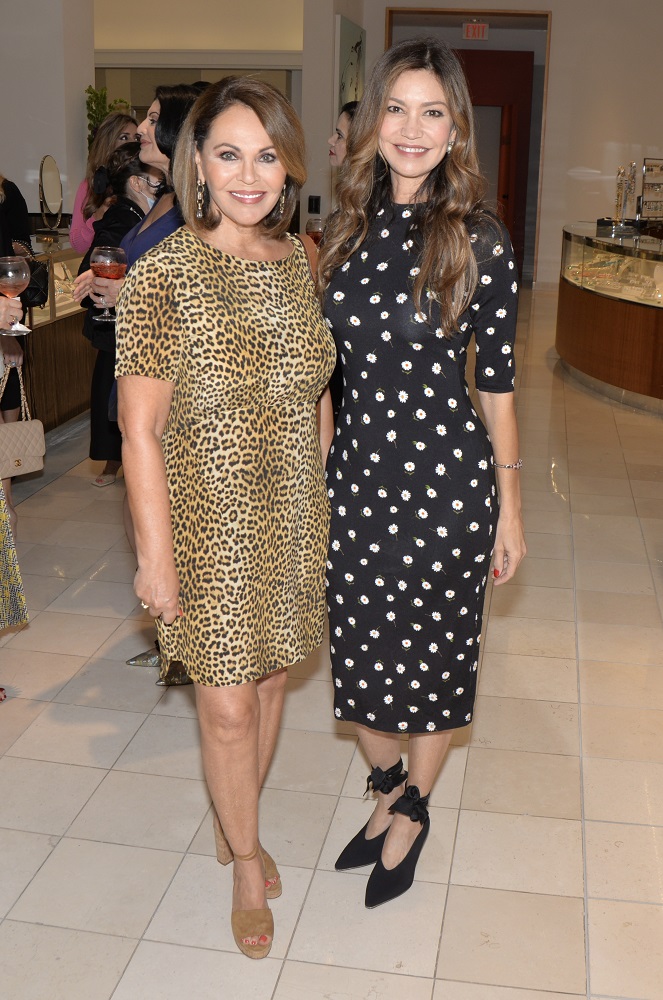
[543, 875]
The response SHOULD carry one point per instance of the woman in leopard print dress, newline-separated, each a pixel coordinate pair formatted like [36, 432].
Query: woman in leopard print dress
[222, 357]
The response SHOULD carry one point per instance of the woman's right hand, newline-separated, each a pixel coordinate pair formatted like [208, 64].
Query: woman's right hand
[10, 310]
[158, 587]
[98, 289]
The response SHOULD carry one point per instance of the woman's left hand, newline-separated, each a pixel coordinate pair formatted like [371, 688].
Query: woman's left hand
[11, 351]
[510, 548]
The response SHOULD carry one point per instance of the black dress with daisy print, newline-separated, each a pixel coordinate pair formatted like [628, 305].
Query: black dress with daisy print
[411, 482]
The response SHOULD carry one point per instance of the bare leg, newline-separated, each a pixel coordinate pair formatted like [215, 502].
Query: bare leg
[383, 750]
[229, 720]
[271, 692]
[425, 755]
[111, 468]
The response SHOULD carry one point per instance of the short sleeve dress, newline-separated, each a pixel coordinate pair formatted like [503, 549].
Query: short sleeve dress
[245, 344]
[411, 481]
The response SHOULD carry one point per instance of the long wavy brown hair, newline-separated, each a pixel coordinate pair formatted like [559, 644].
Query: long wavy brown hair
[448, 200]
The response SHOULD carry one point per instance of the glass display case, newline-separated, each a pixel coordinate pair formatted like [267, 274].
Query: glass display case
[63, 263]
[627, 268]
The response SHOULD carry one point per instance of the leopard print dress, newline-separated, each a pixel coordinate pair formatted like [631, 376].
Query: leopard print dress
[249, 354]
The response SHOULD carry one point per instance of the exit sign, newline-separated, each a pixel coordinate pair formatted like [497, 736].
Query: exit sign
[475, 31]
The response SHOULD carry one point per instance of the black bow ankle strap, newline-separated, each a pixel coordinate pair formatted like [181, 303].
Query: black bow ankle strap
[386, 781]
[412, 804]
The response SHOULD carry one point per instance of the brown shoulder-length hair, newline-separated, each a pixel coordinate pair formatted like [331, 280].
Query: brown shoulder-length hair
[448, 198]
[103, 145]
[280, 121]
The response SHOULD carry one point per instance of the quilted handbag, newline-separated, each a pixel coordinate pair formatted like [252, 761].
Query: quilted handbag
[22, 444]
[13, 609]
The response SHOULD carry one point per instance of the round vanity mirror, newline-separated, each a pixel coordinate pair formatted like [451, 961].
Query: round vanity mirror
[50, 192]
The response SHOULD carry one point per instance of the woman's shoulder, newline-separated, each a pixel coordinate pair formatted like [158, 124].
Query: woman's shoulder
[488, 234]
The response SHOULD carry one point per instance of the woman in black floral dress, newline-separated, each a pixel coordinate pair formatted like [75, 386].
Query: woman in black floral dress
[411, 267]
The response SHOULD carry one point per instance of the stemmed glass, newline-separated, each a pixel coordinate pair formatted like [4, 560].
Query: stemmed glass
[14, 279]
[108, 262]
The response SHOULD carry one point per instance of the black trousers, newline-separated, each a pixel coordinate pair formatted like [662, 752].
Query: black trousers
[105, 437]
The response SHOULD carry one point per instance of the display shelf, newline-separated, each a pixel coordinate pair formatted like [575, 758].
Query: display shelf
[610, 315]
[63, 263]
[627, 268]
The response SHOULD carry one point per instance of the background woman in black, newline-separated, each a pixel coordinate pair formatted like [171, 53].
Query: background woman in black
[14, 238]
[130, 184]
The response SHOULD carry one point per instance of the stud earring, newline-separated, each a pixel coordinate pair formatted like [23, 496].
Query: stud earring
[200, 194]
[282, 201]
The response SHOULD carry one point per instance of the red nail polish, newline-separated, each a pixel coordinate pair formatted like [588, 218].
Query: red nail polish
[496, 572]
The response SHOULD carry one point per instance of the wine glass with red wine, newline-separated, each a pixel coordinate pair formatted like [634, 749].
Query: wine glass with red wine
[108, 262]
[14, 279]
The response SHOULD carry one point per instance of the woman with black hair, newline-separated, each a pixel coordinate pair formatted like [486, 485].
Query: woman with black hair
[129, 185]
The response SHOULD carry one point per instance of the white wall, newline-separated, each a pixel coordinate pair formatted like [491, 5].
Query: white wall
[198, 24]
[603, 102]
[46, 62]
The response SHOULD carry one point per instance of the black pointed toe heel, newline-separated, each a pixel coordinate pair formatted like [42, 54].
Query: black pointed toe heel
[388, 883]
[361, 851]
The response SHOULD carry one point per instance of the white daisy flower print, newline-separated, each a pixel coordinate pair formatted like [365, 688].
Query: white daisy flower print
[390, 616]
[401, 298]
[385, 335]
[440, 469]
[371, 358]
[374, 547]
[393, 529]
[391, 435]
[379, 395]
[458, 454]
[486, 279]
[457, 504]
[436, 369]
[501, 313]
[382, 266]
[366, 511]
[402, 397]
[391, 414]
[338, 296]
[442, 531]
[498, 250]
[375, 458]
[441, 430]
[374, 299]
[346, 266]
[452, 404]
[384, 234]
[428, 391]
[405, 494]
[474, 526]
[355, 321]
[406, 366]
[430, 492]
[506, 349]
[409, 467]
[420, 414]
[422, 514]
[382, 493]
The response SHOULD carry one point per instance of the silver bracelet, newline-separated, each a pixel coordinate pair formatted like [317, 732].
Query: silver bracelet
[515, 465]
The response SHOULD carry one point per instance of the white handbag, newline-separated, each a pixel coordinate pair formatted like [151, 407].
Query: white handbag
[22, 443]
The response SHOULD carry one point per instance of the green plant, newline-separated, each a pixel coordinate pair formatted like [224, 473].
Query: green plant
[97, 107]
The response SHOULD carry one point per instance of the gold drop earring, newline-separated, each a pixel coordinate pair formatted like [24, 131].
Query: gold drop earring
[200, 194]
[282, 201]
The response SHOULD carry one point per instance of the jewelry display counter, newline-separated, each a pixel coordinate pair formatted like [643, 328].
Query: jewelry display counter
[59, 358]
[610, 314]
